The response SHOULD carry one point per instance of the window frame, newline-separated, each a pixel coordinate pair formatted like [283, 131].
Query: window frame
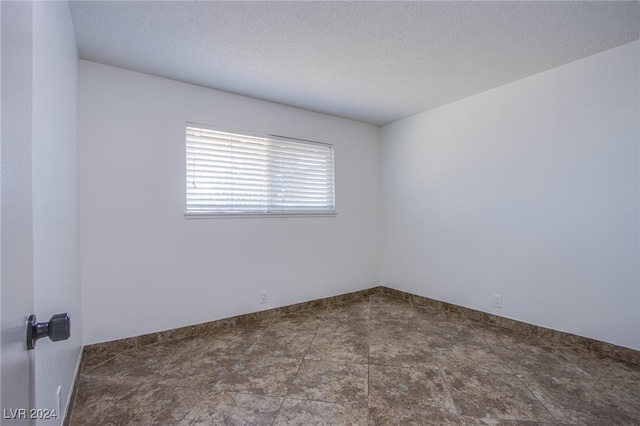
[255, 214]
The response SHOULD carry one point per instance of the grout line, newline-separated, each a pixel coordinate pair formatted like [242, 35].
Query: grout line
[519, 377]
[446, 388]
[296, 375]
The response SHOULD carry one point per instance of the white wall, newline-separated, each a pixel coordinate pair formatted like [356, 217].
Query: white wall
[530, 190]
[56, 257]
[146, 268]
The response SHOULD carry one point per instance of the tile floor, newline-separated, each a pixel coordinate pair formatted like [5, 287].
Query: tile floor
[378, 361]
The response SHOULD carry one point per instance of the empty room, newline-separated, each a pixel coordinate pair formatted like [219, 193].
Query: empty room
[320, 213]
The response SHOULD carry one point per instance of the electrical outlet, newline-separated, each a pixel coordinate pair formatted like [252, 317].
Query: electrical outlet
[263, 296]
[497, 301]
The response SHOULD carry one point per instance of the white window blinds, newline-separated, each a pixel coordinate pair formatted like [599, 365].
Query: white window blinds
[231, 172]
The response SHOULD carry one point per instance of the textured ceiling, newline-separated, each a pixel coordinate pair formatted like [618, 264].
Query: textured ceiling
[370, 61]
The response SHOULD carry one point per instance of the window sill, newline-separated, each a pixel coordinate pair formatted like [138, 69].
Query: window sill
[256, 215]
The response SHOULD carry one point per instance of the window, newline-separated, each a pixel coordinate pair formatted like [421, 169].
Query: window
[242, 173]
